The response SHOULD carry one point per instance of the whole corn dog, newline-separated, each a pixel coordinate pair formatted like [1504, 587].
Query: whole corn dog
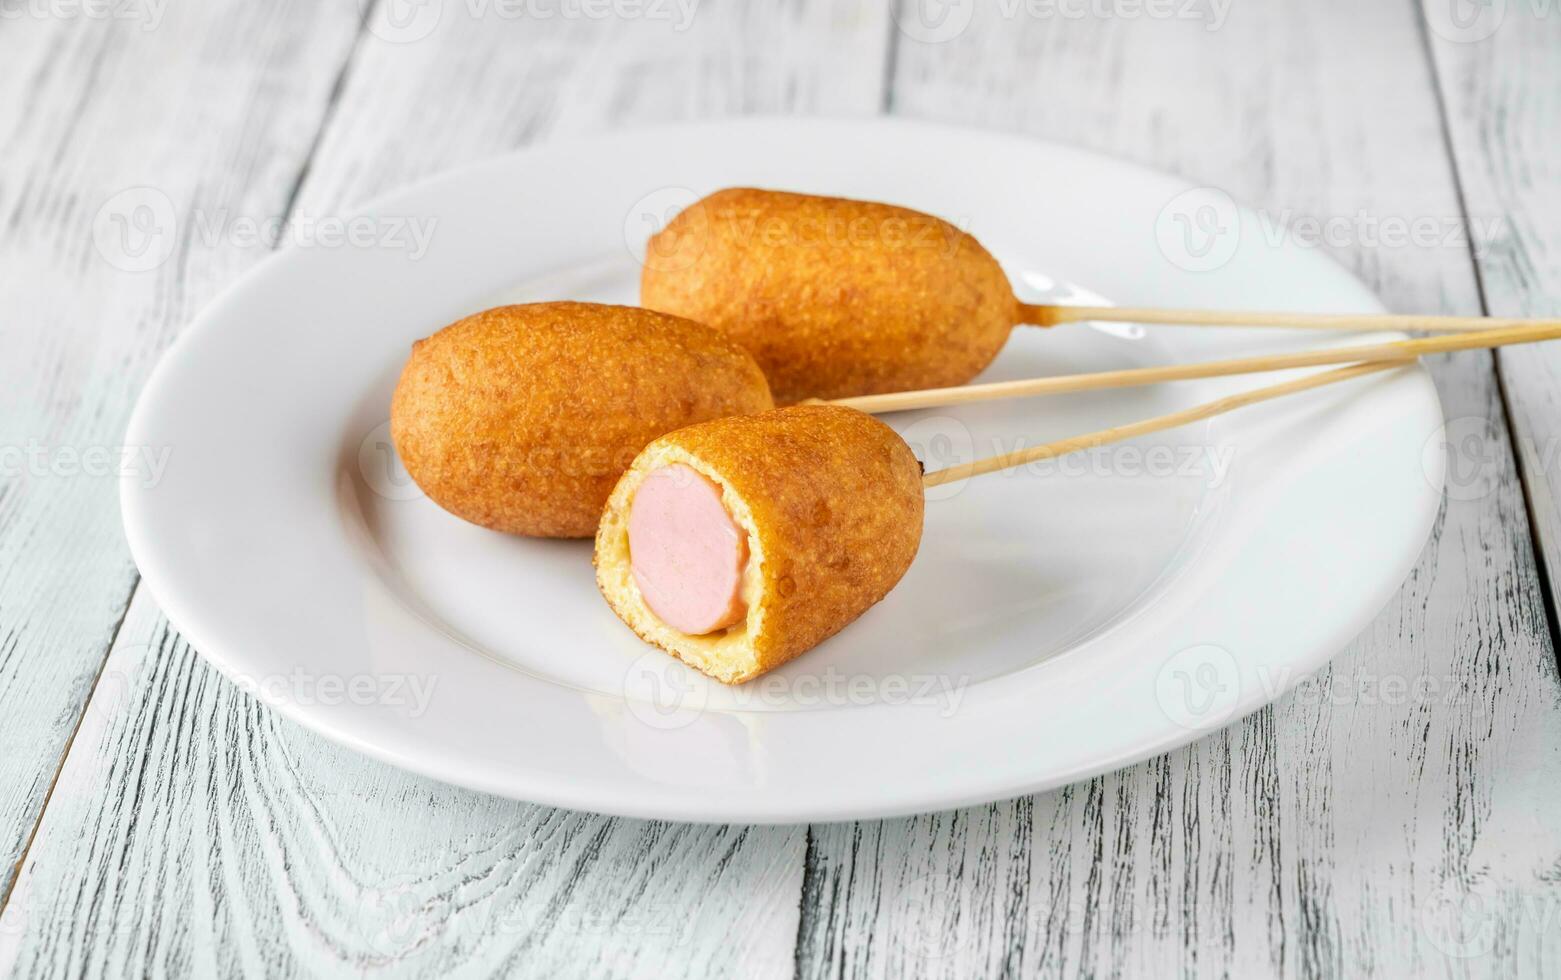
[522, 418]
[839, 298]
[833, 297]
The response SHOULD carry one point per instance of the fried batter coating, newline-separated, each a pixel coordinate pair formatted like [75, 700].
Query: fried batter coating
[521, 418]
[831, 500]
[833, 297]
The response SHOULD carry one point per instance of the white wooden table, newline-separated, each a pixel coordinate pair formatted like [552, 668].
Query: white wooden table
[154, 820]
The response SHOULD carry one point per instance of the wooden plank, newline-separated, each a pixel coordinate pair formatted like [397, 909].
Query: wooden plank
[106, 122]
[1500, 79]
[196, 832]
[516, 81]
[1356, 827]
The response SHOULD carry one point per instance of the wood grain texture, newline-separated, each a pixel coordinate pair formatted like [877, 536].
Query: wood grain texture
[1345, 830]
[1362, 825]
[109, 108]
[1500, 78]
[476, 86]
[193, 831]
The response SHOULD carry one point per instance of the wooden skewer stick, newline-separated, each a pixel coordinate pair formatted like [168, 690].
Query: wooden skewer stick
[1174, 420]
[1062, 384]
[1051, 316]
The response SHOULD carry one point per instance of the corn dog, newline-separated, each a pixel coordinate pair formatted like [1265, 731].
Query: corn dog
[833, 297]
[739, 543]
[522, 418]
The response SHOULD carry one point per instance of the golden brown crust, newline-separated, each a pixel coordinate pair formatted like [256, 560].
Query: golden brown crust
[521, 418]
[833, 501]
[833, 297]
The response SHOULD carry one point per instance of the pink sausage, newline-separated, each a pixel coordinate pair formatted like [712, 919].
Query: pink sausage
[686, 552]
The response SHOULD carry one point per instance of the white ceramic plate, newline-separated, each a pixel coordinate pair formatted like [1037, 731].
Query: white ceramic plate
[1059, 622]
